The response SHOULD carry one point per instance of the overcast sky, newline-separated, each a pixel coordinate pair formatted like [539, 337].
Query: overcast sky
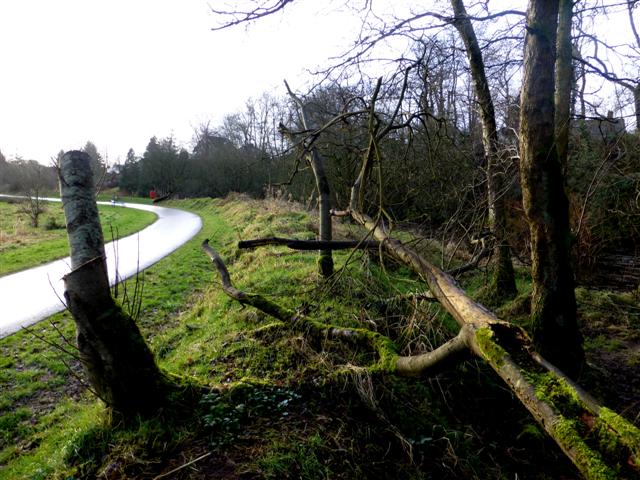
[117, 72]
[120, 71]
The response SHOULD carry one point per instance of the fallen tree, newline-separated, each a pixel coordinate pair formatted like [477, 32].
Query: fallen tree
[598, 441]
[295, 244]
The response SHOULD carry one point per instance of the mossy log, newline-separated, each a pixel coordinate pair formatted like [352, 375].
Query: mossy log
[120, 367]
[601, 446]
[599, 442]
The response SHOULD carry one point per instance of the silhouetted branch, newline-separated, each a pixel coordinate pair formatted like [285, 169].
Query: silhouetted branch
[238, 17]
[309, 244]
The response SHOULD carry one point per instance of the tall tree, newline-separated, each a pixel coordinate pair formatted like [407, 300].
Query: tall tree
[130, 173]
[162, 166]
[504, 283]
[98, 165]
[553, 303]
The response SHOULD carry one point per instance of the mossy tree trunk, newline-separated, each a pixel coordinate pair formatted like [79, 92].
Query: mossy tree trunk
[120, 367]
[504, 283]
[553, 304]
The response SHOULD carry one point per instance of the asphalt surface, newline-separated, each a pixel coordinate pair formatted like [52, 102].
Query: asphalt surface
[32, 295]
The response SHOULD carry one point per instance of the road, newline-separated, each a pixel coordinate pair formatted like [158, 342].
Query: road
[32, 295]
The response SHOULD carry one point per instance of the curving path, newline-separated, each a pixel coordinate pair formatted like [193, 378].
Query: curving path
[31, 295]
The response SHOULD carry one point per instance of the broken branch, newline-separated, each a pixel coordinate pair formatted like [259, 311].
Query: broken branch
[295, 244]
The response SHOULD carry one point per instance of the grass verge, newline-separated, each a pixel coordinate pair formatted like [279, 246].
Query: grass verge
[279, 405]
[23, 246]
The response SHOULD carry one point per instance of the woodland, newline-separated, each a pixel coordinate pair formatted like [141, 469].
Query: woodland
[484, 178]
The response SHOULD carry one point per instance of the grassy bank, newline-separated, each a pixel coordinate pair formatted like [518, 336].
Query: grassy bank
[23, 246]
[280, 405]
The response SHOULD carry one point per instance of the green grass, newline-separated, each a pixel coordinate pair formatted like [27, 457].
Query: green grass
[280, 405]
[34, 376]
[22, 246]
[190, 325]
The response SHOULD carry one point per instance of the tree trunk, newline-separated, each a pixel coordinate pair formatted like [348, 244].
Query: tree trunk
[564, 82]
[504, 284]
[324, 211]
[322, 184]
[553, 304]
[119, 364]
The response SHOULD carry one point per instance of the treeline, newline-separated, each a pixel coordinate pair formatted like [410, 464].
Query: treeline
[430, 168]
[20, 176]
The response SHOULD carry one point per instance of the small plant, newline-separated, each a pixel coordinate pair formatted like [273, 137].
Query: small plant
[226, 413]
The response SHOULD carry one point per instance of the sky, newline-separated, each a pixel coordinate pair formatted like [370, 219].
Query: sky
[119, 72]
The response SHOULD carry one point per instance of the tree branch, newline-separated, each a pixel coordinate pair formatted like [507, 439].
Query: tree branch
[295, 244]
[239, 17]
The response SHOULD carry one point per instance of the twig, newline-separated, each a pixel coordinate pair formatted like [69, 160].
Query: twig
[162, 475]
[52, 344]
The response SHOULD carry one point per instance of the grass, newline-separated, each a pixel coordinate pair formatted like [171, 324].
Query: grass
[23, 246]
[279, 406]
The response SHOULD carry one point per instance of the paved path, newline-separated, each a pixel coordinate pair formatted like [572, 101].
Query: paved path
[31, 295]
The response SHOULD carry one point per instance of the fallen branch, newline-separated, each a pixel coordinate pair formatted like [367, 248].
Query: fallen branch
[388, 361]
[472, 264]
[181, 467]
[598, 441]
[295, 244]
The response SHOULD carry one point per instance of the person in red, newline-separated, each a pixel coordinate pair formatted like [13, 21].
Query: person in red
[152, 194]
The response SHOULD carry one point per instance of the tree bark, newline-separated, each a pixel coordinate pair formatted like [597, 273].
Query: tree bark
[564, 81]
[504, 283]
[553, 304]
[120, 367]
[322, 184]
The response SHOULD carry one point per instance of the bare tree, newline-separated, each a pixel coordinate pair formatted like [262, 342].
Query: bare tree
[33, 180]
[504, 283]
[597, 64]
